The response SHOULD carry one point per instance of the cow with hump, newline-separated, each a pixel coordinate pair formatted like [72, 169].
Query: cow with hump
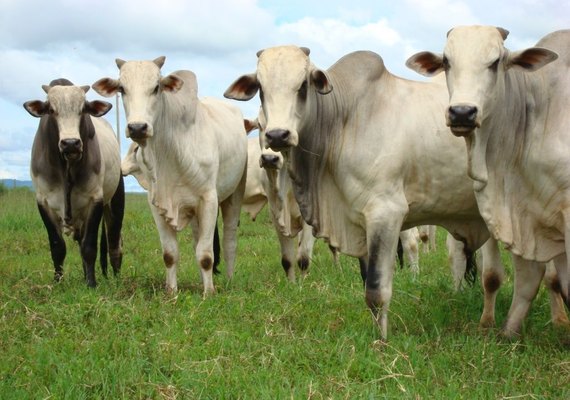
[195, 156]
[511, 107]
[76, 174]
[361, 173]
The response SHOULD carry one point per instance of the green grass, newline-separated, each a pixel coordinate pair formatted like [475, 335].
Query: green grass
[259, 337]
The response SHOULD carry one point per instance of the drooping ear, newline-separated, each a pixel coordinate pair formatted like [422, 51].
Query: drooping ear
[119, 62]
[106, 87]
[504, 33]
[159, 61]
[37, 108]
[426, 63]
[171, 83]
[321, 81]
[531, 59]
[97, 108]
[85, 88]
[243, 88]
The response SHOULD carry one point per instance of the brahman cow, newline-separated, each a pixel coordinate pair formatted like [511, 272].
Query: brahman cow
[195, 151]
[76, 175]
[361, 173]
[512, 109]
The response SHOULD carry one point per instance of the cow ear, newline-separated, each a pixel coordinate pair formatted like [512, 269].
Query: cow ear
[171, 83]
[321, 81]
[36, 108]
[250, 125]
[531, 59]
[106, 87]
[97, 108]
[243, 88]
[426, 63]
[159, 61]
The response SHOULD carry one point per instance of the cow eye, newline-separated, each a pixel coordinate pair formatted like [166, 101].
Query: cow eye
[495, 65]
[121, 90]
[303, 90]
[261, 97]
[155, 91]
[51, 111]
[445, 63]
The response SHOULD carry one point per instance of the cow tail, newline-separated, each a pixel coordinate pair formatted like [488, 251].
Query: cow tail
[400, 253]
[216, 246]
[103, 249]
[470, 266]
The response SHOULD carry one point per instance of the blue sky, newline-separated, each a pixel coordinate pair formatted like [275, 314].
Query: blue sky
[218, 39]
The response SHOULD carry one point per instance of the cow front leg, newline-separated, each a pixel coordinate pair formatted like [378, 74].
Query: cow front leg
[206, 224]
[56, 242]
[528, 275]
[492, 277]
[554, 286]
[170, 253]
[114, 219]
[89, 242]
[305, 250]
[382, 241]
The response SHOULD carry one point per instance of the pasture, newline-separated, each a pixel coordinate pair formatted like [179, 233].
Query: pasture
[259, 337]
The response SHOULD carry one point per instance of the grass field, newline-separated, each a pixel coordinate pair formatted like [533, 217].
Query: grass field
[260, 336]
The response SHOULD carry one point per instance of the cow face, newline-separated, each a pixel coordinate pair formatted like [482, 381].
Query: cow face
[285, 79]
[475, 62]
[67, 106]
[141, 86]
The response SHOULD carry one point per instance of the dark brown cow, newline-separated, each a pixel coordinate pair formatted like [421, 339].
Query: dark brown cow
[76, 174]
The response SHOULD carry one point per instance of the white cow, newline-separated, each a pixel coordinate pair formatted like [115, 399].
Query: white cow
[76, 176]
[361, 173]
[512, 110]
[195, 151]
[428, 237]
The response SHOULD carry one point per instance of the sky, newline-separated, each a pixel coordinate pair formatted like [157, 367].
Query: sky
[218, 40]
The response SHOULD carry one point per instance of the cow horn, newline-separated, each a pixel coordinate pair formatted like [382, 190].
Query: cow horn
[85, 88]
[119, 62]
[504, 33]
[159, 61]
[306, 50]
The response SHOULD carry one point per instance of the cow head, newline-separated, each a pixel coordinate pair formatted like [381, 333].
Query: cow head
[141, 86]
[285, 79]
[67, 106]
[475, 62]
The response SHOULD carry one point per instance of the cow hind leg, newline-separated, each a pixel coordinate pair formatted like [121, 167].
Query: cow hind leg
[554, 286]
[56, 242]
[230, 214]
[89, 243]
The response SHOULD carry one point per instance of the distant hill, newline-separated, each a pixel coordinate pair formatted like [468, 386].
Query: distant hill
[15, 183]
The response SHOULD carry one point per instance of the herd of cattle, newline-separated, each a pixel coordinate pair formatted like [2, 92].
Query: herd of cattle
[352, 154]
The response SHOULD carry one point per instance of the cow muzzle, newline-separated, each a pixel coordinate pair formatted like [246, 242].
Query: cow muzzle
[269, 161]
[138, 131]
[462, 119]
[71, 149]
[278, 139]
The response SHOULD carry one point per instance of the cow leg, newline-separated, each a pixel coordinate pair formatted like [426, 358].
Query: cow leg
[305, 250]
[114, 219]
[169, 243]
[206, 220]
[103, 248]
[231, 208]
[382, 235]
[288, 246]
[411, 250]
[89, 242]
[492, 277]
[457, 260]
[528, 275]
[552, 283]
[56, 242]
[363, 264]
